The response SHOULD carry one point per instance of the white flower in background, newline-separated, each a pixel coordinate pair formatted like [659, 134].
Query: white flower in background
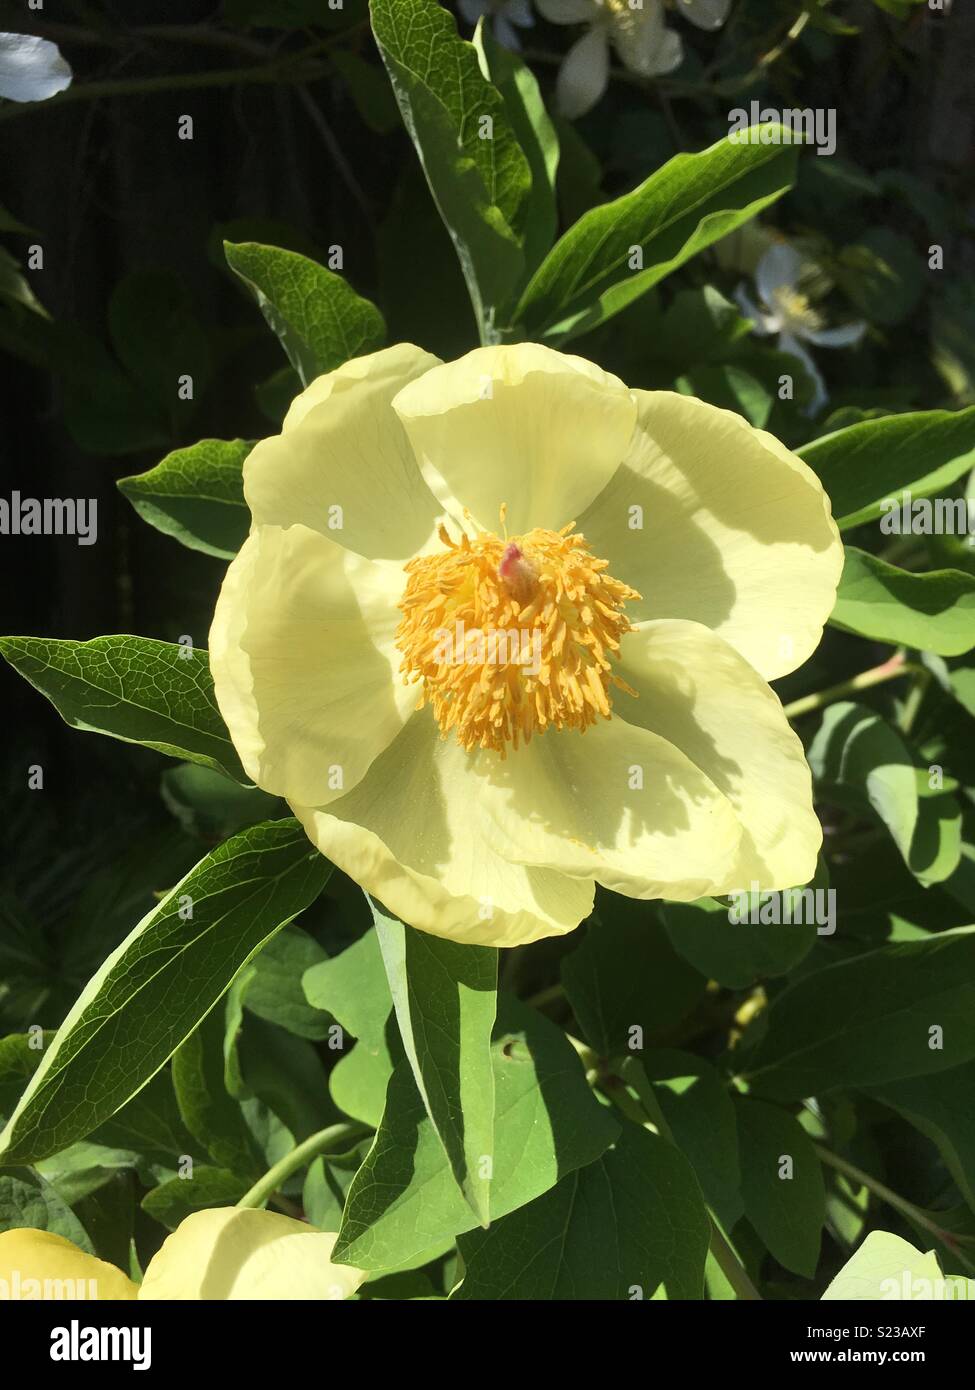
[31, 69]
[504, 15]
[785, 310]
[636, 30]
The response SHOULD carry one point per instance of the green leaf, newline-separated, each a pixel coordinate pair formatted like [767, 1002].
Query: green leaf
[161, 981]
[196, 495]
[694, 200]
[547, 1123]
[781, 1184]
[319, 318]
[696, 1105]
[275, 992]
[150, 1124]
[535, 134]
[626, 983]
[172, 1201]
[27, 1199]
[934, 612]
[353, 988]
[878, 460]
[886, 1267]
[616, 1229]
[20, 1056]
[287, 1075]
[445, 997]
[211, 1114]
[859, 760]
[326, 1186]
[940, 1107]
[869, 1020]
[132, 688]
[738, 953]
[209, 807]
[730, 388]
[477, 171]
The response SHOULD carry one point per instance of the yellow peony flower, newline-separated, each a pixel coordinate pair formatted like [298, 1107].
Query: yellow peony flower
[223, 1253]
[502, 630]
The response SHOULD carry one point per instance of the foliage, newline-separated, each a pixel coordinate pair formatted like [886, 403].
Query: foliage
[670, 1103]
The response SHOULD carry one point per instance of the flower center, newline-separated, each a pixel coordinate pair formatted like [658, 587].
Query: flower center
[795, 308]
[511, 637]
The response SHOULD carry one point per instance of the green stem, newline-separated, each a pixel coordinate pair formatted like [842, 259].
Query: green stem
[889, 670]
[893, 1199]
[731, 1266]
[915, 696]
[334, 1140]
[287, 69]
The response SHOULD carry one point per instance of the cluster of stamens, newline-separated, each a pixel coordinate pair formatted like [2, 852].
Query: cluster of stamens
[509, 638]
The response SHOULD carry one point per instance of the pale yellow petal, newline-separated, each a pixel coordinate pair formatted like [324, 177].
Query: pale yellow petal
[714, 521]
[699, 694]
[524, 425]
[42, 1265]
[412, 834]
[618, 803]
[231, 1253]
[342, 463]
[305, 670]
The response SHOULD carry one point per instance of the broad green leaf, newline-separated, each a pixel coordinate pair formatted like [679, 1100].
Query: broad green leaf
[859, 760]
[477, 171]
[535, 133]
[287, 1075]
[616, 1229]
[134, 689]
[83, 1169]
[173, 1200]
[626, 983]
[27, 1199]
[879, 461]
[209, 807]
[20, 1056]
[318, 317]
[940, 1106]
[445, 998]
[154, 989]
[275, 992]
[196, 495]
[934, 611]
[211, 1114]
[326, 1186]
[697, 1107]
[937, 845]
[151, 1124]
[862, 763]
[731, 388]
[887, 1267]
[695, 199]
[353, 988]
[738, 953]
[906, 1010]
[404, 1199]
[781, 1184]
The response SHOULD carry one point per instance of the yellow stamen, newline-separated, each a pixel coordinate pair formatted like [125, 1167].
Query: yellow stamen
[508, 638]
